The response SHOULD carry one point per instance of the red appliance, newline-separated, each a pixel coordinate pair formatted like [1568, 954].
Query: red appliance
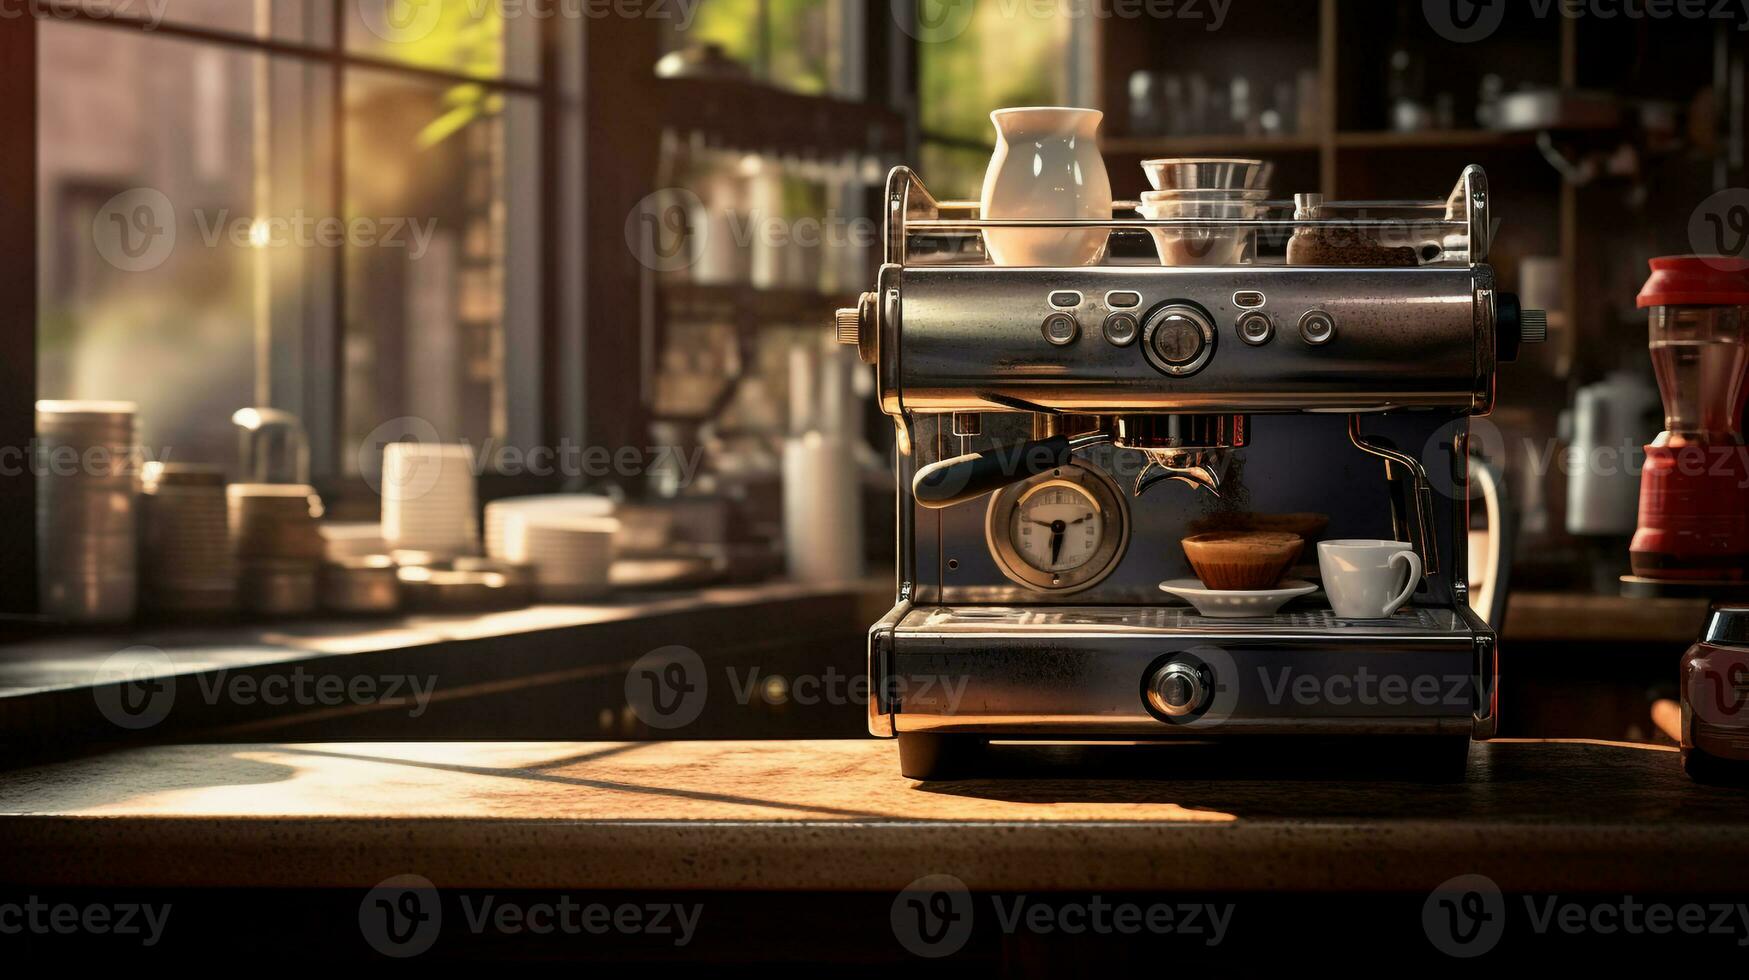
[1694, 488]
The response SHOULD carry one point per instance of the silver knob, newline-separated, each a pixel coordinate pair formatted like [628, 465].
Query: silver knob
[850, 326]
[857, 328]
[1177, 689]
[1533, 326]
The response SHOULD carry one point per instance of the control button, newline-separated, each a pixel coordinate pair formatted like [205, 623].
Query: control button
[1178, 339]
[1121, 329]
[1123, 300]
[1317, 328]
[1067, 299]
[1176, 690]
[1247, 299]
[1256, 328]
[1061, 329]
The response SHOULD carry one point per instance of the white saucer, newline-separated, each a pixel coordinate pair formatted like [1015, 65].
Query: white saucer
[1219, 604]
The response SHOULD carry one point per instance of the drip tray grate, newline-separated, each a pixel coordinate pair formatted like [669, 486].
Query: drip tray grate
[1171, 619]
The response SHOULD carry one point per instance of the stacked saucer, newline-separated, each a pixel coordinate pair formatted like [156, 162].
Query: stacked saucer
[572, 556]
[429, 499]
[278, 546]
[86, 470]
[347, 540]
[186, 561]
[500, 512]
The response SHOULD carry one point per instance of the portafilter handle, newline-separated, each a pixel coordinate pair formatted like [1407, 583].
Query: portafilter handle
[950, 481]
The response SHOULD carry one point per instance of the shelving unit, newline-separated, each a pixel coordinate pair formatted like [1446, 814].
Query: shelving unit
[1600, 233]
[1348, 35]
[626, 111]
[1151, 146]
[1433, 139]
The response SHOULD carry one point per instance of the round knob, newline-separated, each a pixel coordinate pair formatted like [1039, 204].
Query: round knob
[1178, 339]
[1317, 328]
[1515, 326]
[856, 327]
[1256, 328]
[1177, 689]
[850, 326]
[1533, 326]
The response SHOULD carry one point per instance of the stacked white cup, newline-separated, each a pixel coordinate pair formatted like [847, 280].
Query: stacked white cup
[429, 499]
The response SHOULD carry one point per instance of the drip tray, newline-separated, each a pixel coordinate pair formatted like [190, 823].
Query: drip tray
[1415, 621]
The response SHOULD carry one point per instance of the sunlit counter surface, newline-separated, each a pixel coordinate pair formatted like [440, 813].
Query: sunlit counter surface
[542, 672]
[836, 815]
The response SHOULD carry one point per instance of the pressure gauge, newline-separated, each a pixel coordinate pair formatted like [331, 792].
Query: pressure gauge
[1060, 532]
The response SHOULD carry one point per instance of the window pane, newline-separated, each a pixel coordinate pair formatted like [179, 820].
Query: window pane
[1007, 56]
[301, 21]
[732, 25]
[154, 176]
[796, 44]
[953, 172]
[483, 39]
[442, 311]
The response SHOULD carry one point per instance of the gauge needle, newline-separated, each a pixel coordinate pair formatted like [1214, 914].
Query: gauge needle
[1056, 542]
[1081, 520]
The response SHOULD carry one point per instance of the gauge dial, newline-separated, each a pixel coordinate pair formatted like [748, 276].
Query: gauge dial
[1057, 527]
[1060, 532]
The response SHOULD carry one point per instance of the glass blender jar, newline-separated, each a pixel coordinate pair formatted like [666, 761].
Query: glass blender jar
[1694, 487]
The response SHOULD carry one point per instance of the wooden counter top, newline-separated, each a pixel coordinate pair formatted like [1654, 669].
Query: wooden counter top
[1576, 617]
[836, 815]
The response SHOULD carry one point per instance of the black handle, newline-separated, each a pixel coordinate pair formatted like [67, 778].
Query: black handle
[950, 481]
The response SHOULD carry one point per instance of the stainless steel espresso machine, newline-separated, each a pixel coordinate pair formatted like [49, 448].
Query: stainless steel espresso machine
[1156, 398]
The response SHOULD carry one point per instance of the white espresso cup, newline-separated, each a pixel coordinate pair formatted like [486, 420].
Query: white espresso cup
[1365, 578]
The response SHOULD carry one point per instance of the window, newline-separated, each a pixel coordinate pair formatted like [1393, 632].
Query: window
[1004, 55]
[333, 207]
[803, 45]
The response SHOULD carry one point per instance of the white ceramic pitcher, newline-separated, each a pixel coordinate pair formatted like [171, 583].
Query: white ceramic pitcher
[1046, 165]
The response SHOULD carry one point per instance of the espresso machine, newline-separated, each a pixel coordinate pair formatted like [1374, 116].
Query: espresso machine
[1060, 430]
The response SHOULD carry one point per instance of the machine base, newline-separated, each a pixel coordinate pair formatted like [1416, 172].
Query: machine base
[931, 757]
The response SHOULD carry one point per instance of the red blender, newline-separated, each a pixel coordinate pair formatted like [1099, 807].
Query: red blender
[1694, 488]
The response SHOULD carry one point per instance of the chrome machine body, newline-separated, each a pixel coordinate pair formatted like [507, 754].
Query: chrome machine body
[1152, 397]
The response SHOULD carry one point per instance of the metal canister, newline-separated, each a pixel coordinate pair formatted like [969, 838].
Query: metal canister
[87, 472]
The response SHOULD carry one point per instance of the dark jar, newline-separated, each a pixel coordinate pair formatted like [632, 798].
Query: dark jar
[1715, 699]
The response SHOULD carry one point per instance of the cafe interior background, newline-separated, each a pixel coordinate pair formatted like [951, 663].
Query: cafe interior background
[603, 254]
